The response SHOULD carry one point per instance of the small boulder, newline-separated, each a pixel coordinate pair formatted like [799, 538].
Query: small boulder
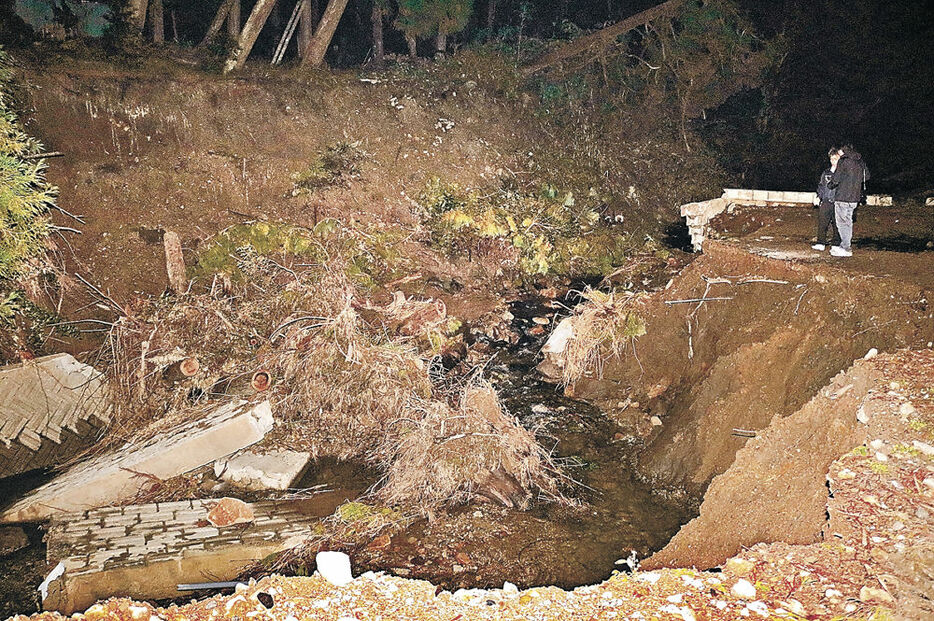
[229, 511]
[743, 589]
[739, 567]
[334, 567]
[878, 596]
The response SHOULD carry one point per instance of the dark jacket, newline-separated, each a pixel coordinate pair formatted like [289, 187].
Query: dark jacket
[824, 192]
[850, 177]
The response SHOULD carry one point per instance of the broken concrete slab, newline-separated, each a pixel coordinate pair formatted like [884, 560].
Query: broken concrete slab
[119, 475]
[145, 551]
[263, 470]
[51, 408]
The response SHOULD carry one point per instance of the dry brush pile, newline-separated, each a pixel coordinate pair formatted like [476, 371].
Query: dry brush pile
[347, 379]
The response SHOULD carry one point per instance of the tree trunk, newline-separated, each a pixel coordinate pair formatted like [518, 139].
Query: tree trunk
[233, 19]
[318, 46]
[222, 14]
[306, 27]
[441, 42]
[410, 41]
[157, 22]
[138, 14]
[377, 17]
[251, 29]
[490, 15]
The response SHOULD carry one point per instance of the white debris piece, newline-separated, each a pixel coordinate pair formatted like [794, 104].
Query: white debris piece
[261, 471]
[743, 589]
[54, 575]
[334, 567]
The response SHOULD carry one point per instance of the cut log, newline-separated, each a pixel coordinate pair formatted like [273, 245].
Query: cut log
[313, 55]
[377, 18]
[261, 381]
[175, 263]
[254, 24]
[184, 368]
[603, 37]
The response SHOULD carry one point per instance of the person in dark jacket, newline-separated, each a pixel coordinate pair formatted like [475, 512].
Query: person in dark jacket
[848, 181]
[825, 206]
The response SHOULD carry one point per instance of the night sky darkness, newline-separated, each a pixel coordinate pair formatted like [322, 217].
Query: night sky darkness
[859, 71]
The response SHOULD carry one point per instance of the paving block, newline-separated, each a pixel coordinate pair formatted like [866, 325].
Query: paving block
[260, 471]
[39, 400]
[100, 566]
[113, 477]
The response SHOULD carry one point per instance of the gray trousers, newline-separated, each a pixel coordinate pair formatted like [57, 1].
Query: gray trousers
[843, 215]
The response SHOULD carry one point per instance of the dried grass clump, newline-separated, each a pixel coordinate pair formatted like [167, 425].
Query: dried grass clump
[343, 386]
[603, 327]
[446, 454]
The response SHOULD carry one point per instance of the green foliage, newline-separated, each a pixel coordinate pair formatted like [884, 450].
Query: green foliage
[551, 231]
[369, 257]
[336, 165]
[426, 18]
[25, 197]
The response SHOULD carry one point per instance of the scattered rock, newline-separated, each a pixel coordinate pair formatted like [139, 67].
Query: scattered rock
[739, 566]
[541, 408]
[230, 511]
[656, 421]
[12, 538]
[872, 353]
[924, 447]
[536, 331]
[542, 321]
[846, 474]
[380, 543]
[463, 558]
[906, 409]
[869, 594]
[862, 416]
[880, 456]
[743, 589]
[510, 589]
[922, 514]
[334, 567]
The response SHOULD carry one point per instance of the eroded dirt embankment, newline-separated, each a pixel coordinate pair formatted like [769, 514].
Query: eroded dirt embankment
[706, 370]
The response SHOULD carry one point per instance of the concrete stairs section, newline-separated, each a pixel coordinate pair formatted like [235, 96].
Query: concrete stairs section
[145, 551]
[116, 477]
[697, 215]
[51, 408]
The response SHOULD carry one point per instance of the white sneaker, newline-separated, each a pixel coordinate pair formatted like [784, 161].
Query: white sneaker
[837, 251]
[819, 247]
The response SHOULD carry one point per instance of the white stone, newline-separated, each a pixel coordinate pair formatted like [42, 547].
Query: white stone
[557, 342]
[260, 471]
[334, 567]
[862, 416]
[510, 589]
[676, 598]
[656, 421]
[924, 447]
[872, 353]
[906, 409]
[743, 589]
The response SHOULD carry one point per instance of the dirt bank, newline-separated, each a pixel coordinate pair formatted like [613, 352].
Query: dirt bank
[780, 332]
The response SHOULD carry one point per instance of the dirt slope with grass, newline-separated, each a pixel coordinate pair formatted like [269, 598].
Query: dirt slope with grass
[777, 333]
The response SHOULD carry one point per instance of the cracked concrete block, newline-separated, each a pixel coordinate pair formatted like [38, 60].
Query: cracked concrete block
[267, 470]
[113, 477]
[51, 408]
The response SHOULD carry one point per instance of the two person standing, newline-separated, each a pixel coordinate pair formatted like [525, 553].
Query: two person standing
[843, 187]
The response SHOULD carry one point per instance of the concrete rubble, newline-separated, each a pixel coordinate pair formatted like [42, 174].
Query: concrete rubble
[118, 476]
[258, 471]
[145, 551]
[698, 214]
[51, 408]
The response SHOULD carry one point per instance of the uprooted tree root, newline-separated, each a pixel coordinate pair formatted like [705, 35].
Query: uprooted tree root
[343, 386]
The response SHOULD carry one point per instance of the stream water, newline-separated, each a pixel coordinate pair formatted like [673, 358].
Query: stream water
[481, 545]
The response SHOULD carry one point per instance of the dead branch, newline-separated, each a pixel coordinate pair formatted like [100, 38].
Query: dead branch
[692, 300]
[603, 37]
